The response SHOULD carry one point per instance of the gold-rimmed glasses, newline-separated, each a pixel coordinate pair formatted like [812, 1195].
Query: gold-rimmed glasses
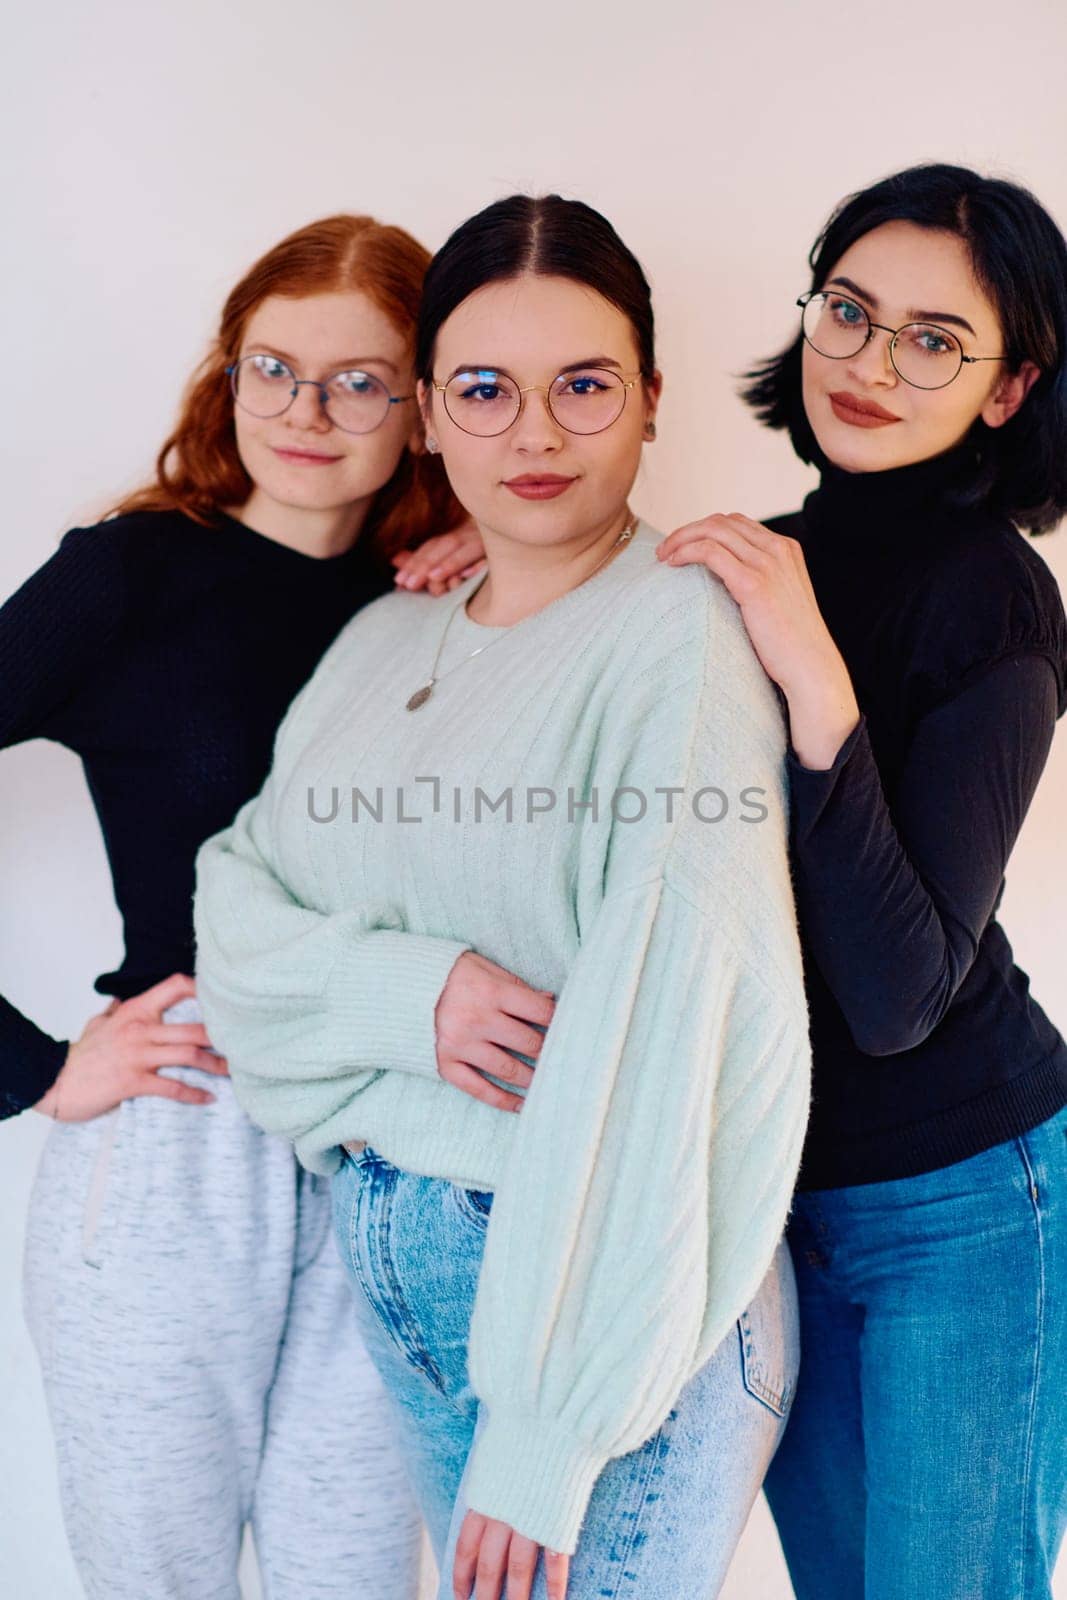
[485, 401]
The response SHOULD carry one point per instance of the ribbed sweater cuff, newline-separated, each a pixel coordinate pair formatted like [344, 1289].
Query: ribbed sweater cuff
[381, 998]
[39, 1058]
[534, 1475]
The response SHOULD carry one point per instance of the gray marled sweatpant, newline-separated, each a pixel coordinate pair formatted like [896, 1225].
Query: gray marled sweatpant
[202, 1364]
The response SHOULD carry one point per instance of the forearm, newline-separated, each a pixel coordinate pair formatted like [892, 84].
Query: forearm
[894, 904]
[615, 1247]
[32, 1060]
[888, 958]
[295, 996]
[823, 711]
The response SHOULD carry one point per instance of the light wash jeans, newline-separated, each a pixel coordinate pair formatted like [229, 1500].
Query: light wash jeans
[202, 1363]
[663, 1521]
[926, 1453]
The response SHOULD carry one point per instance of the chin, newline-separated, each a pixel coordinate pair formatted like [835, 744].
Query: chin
[862, 450]
[312, 490]
[535, 522]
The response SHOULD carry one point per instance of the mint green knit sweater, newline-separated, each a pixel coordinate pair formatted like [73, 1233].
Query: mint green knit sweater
[641, 1191]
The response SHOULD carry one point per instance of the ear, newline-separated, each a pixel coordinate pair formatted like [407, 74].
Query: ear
[1009, 394]
[653, 390]
[424, 431]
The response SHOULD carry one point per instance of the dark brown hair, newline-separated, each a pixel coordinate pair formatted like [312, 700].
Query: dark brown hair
[549, 236]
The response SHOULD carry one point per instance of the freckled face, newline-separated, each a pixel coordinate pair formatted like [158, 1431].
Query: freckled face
[301, 459]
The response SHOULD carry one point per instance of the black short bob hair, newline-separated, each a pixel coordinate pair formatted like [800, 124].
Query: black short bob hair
[1020, 259]
[546, 235]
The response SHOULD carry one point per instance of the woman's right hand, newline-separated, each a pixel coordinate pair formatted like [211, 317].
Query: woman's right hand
[121, 1050]
[483, 1012]
[443, 561]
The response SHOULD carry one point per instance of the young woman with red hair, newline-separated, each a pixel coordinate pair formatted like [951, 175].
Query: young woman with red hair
[194, 1327]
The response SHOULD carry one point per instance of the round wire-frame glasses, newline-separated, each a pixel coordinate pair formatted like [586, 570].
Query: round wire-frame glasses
[923, 354]
[355, 401]
[590, 399]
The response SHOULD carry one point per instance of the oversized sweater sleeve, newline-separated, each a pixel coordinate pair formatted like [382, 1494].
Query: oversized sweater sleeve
[292, 996]
[654, 1160]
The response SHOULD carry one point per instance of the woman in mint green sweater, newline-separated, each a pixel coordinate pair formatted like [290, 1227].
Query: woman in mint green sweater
[570, 770]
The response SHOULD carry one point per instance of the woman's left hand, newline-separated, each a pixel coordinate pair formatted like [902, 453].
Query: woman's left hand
[442, 562]
[767, 575]
[488, 1552]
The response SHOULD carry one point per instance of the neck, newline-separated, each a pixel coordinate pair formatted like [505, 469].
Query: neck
[320, 533]
[866, 512]
[523, 578]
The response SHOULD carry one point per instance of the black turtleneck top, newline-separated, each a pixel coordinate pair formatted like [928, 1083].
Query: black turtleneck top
[927, 1044]
[164, 654]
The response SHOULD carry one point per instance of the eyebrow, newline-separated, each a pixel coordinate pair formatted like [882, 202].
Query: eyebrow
[341, 365]
[912, 316]
[572, 366]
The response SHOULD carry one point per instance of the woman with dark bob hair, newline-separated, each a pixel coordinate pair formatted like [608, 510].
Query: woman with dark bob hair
[919, 644]
[584, 1312]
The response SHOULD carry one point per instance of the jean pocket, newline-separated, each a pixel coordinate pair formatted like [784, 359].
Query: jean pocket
[373, 1259]
[769, 1334]
[473, 1204]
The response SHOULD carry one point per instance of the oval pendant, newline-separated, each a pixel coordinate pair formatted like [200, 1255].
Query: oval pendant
[420, 697]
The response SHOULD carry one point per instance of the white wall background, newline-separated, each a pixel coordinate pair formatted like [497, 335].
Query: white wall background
[149, 153]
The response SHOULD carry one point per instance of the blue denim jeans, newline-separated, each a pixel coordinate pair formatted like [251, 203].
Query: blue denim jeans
[663, 1521]
[926, 1453]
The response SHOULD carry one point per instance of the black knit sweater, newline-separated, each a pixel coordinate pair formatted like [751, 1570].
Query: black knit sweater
[164, 654]
[927, 1044]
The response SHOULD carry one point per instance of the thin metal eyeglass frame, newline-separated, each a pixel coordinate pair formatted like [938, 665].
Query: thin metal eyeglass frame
[313, 383]
[824, 294]
[546, 388]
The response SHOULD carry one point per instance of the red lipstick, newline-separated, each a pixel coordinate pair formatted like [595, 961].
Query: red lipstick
[538, 485]
[860, 413]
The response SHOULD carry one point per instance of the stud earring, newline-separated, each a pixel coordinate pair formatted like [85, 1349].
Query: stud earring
[650, 429]
[431, 445]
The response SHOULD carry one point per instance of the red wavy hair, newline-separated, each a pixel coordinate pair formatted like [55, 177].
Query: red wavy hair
[199, 471]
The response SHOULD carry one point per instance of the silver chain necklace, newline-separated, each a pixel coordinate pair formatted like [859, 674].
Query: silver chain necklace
[420, 697]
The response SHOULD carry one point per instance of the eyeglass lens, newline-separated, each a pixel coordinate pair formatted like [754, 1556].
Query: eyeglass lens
[265, 386]
[923, 355]
[487, 402]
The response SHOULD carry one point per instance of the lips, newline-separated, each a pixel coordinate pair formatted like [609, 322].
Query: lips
[305, 458]
[860, 413]
[538, 486]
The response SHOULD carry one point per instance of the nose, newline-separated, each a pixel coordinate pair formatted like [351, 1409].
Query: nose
[872, 365]
[307, 411]
[535, 430]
